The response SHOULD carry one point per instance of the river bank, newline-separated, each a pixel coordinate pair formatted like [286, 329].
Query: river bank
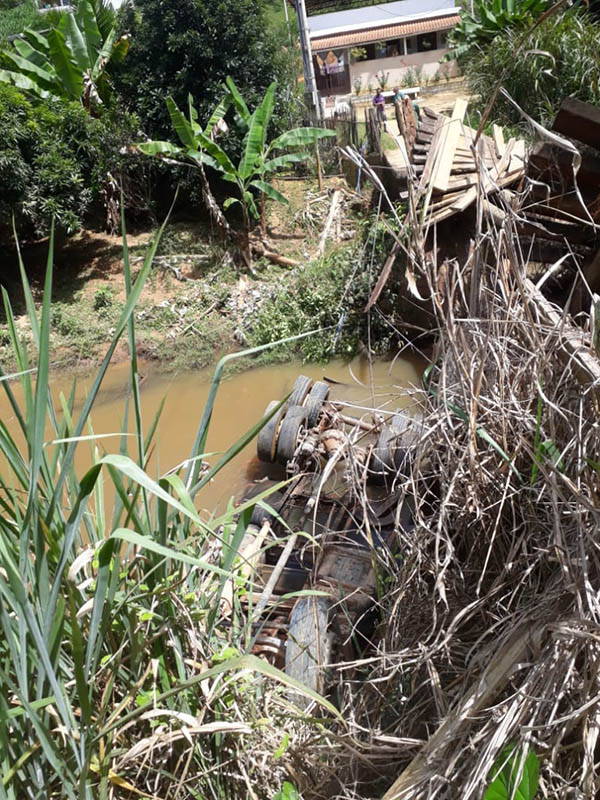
[197, 303]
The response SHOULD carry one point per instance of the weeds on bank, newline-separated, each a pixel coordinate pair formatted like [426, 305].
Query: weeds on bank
[332, 292]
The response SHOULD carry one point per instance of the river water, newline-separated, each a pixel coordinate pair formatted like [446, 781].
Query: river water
[241, 401]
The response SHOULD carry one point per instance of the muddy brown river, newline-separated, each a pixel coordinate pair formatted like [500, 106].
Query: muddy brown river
[241, 401]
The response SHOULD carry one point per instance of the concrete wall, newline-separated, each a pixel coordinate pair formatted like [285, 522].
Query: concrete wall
[428, 61]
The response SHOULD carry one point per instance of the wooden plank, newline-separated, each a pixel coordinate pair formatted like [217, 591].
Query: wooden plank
[431, 157]
[579, 121]
[470, 197]
[423, 138]
[385, 274]
[498, 177]
[452, 132]
[499, 140]
[333, 210]
[517, 159]
[462, 182]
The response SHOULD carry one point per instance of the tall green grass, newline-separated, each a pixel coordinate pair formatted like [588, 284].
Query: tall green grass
[120, 673]
[561, 59]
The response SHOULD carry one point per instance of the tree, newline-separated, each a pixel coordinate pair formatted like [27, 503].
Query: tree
[182, 47]
[258, 160]
[70, 60]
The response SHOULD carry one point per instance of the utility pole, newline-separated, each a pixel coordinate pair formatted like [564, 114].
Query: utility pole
[312, 95]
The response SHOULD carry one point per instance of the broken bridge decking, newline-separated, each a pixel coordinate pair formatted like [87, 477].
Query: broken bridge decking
[442, 157]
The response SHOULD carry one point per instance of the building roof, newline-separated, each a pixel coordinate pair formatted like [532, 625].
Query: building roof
[379, 15]
[323, 6]
[381, 34]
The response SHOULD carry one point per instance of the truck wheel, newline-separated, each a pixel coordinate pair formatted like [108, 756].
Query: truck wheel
[299, 391]
[266, 443]
[309, 644]
[293, 421]
[314, 403]
[382, 461]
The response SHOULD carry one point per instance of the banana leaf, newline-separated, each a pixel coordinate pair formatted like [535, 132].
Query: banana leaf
[157, 148]
[66, 68]
[269, 191]
[86, 21]
[238, 100]
[181, 125]
[300, 137]
[76, 41]
[23, 82]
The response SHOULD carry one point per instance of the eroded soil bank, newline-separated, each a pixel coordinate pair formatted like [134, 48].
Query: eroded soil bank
[197, 302]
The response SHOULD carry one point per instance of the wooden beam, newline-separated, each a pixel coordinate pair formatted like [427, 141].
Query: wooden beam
[451, 135]
[580, 121]
[499, 140]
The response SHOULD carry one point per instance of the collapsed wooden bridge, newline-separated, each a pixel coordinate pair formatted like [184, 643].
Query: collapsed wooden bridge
[443, 159]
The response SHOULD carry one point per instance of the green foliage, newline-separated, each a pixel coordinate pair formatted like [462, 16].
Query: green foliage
[15, 17]
[561, 59]
[287, 792]
[103, 298]
[332, 293]
[490, 18]
[183, 47]
[54, 159]
[383, 79]
[515, 776]
[42, 163]
[71, 60]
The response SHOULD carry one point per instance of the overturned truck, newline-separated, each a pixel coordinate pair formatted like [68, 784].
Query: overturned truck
[313, 544]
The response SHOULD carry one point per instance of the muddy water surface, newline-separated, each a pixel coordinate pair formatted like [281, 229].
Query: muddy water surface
[241, 401]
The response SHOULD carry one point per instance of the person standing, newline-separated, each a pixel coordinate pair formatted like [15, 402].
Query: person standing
[398, 94]
[379, 103]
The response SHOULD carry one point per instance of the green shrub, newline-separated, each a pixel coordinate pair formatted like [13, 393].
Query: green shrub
[561, 59]
[332, 293]
[103, 298]
[42, 162]
[56, 162]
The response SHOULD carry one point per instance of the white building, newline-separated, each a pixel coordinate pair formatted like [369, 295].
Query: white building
[350, 48]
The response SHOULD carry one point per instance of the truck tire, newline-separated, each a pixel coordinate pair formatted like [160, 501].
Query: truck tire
[266, 443]
[314, 403]
[309, 645]
[293, 422]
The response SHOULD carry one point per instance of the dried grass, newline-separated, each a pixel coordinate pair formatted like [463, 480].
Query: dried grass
[490, 628]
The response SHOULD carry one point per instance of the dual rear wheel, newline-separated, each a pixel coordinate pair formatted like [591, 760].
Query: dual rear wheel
[278, 439]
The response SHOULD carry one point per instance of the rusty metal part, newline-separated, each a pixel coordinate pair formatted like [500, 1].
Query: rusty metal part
[347, 573]
[333, 440]
[275, 575]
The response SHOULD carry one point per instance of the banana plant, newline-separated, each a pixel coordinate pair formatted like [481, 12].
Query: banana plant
[488, 18]
[70, 60]
[259, 161]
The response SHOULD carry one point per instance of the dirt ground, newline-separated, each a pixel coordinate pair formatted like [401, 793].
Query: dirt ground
[196, 301]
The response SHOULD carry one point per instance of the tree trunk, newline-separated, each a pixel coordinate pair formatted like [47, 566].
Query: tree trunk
[213, 209]
[245, 248]
[263, 216]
